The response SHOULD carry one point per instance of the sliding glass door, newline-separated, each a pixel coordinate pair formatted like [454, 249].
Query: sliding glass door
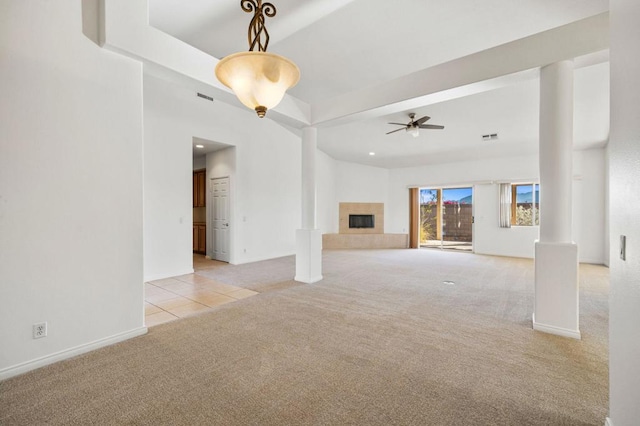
[446, 218]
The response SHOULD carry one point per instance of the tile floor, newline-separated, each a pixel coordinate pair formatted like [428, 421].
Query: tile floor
[177, 297]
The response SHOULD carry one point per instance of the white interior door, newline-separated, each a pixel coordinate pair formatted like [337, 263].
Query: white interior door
[220, 218]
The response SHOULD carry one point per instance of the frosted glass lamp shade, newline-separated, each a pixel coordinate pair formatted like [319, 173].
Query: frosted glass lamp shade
[415, 132]
[259, 79]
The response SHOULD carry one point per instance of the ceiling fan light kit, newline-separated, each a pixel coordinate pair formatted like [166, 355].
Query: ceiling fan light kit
[414, 126]
[259, 79]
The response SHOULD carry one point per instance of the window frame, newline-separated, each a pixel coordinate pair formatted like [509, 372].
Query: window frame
[535, 211]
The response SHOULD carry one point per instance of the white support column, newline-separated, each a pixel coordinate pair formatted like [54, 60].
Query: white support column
[309, 146]
[556, 256]
[309, 239]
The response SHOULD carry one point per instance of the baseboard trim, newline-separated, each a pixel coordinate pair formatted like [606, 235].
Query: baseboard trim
[550, 329]
[608, 422]
[590, 261]
[171, 275]
[309, 280]
[25, 367]
[261, 258]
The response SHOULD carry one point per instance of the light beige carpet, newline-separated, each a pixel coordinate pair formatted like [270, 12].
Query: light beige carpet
[380, 341]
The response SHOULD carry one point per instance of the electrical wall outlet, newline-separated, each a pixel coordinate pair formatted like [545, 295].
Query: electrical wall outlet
[39, 330]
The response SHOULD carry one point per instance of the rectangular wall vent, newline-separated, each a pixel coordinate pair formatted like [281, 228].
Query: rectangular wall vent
[490, 137]
[209, 98]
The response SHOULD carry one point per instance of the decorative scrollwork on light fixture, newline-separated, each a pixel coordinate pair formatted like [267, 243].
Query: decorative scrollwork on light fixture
[258, 78]
[257, 29]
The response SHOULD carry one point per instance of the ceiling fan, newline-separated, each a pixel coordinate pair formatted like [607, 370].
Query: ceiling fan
[414, 126]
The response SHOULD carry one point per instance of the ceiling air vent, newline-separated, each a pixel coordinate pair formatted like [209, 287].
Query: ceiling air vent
[200, 95]
[490, 137]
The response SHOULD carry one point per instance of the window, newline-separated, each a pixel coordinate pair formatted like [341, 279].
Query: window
[525, 204]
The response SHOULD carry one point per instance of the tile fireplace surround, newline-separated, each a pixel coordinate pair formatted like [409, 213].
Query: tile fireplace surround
[363, 238]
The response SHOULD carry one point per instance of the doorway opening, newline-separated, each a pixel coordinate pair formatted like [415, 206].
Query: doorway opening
[214, 168]
[446, 218]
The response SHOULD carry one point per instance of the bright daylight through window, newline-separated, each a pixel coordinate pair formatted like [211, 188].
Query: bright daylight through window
[525, 204]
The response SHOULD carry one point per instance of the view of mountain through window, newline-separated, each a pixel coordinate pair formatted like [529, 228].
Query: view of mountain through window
[446, 218]
[525, 208]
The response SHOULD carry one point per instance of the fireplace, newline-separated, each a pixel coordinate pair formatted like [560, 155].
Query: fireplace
[361, 226]
[361, 218]
[361, 221]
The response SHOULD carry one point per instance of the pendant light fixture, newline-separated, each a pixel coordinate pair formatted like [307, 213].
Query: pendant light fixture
[259, 79]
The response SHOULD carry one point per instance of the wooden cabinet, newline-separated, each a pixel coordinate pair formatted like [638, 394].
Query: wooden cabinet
[199, 188]
[195, 238]
[200, 238]
[199, 200]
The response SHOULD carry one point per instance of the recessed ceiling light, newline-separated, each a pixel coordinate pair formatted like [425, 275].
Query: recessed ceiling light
[200, 146]
[372, 153]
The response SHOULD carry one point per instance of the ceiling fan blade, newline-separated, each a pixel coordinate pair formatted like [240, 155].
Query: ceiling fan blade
[423, 119]
[431, 126]
[397, 130]
[399, 124]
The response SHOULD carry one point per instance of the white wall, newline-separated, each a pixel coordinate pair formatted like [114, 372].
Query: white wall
[266, 186]
[326, 204]
[607, 206]
[589, 204]
[356, 183]
[516, 243]
[489, 238]
[221, 164]
[70, 187]
[200, 163]
[268, 192]
[484, 175]
[624, 145]
[168, 194]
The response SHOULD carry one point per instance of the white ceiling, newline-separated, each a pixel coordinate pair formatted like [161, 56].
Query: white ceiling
[207, 147]
[345, 45]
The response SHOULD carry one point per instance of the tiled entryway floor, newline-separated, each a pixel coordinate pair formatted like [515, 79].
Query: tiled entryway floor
[172, 298]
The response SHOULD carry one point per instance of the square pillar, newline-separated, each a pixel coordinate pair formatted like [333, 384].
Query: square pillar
[556, 262]
[556, 290]
[308, 255]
